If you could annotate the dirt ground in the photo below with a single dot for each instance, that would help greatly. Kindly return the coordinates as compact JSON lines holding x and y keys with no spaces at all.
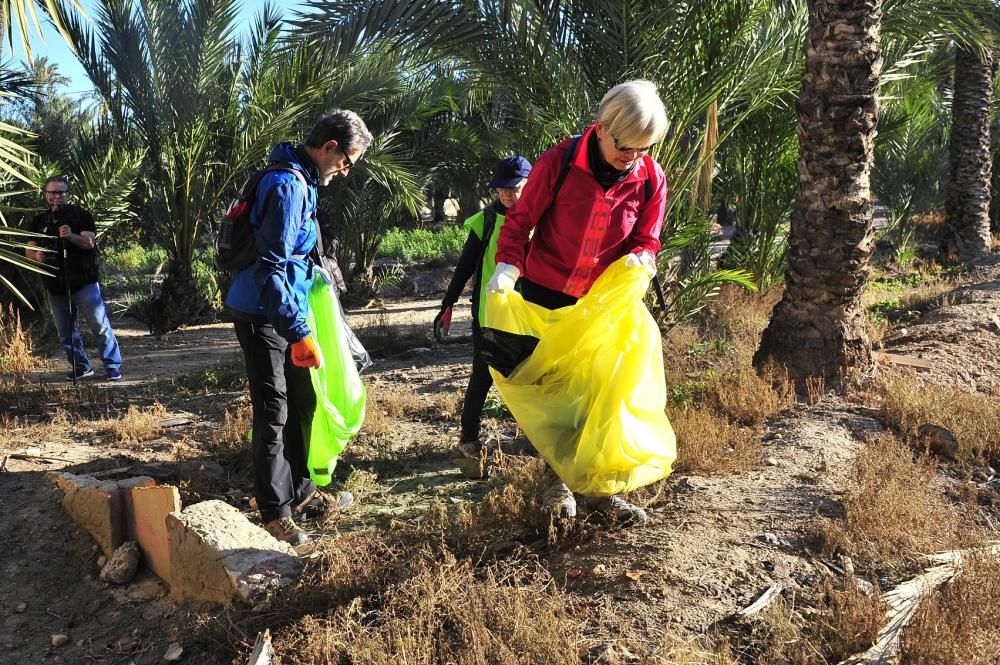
{"x":713,"y":545}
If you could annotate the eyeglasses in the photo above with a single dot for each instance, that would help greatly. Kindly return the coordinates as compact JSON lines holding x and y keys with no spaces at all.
{"x":57,"y":192}
{"x":347,"y":158}
{"x":621,"y":149}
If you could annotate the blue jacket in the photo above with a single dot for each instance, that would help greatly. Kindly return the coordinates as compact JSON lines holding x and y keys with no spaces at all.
{"x":276,"y":287}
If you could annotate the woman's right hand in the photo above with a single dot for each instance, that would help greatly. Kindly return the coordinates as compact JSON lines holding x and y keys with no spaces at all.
{"x":503,"y":279}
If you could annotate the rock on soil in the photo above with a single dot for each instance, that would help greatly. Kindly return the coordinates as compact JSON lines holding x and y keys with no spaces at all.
{"x":121,"y":567}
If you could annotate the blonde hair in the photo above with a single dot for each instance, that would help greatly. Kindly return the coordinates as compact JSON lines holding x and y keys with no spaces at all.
{"x":633,"y":114}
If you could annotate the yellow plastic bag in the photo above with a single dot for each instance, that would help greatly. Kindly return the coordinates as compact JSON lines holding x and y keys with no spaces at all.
{"x":591,"y":395}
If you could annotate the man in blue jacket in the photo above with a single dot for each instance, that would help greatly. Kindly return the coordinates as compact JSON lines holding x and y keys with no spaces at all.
{"x":268,"y":302}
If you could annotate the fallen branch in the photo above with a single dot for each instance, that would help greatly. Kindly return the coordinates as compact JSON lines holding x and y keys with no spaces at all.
{"x":40,"y":458}
{"x":263,"y":652}
{"x":763,"y":601}
{"x":903,"y":602}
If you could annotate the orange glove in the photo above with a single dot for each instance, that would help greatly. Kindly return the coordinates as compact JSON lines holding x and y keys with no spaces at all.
{"x":305,"y":353}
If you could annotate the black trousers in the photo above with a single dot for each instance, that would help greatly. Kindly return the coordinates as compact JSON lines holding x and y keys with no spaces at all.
{"x":544,"y":296}
{"x":479,"y":387}
{"x":283,"y":404}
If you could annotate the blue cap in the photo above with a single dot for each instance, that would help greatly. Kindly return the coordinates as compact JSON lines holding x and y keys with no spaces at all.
{"x":510,"y":172}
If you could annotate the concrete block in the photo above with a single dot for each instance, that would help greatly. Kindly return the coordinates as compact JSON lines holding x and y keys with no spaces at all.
{"x":217,"y":555}
{"x":150,"y":507}
{"x":97,"y":507}
{"x":128,"y":513}
{"x":66,"y":481}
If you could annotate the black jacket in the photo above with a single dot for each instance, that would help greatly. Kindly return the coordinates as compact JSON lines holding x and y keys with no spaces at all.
{"x":82,"y":263}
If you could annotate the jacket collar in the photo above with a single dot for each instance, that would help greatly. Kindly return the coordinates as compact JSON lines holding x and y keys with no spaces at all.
{"x":581,"y":161}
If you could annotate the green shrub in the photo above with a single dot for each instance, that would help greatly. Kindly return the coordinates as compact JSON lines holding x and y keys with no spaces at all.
{"x":416,"y":245}
{"x":134,"y":258}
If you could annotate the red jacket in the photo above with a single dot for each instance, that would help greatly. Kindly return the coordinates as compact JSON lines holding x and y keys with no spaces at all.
{"x":589,"y":229}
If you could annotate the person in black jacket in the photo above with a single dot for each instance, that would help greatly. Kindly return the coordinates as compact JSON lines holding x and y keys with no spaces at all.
{"x":478,"y":260}
{"x":73,"y":258}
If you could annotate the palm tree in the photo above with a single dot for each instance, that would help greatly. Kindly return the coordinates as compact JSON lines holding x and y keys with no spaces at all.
{"x":818,"y":328}
{"x":23,"y":11}
{"x":966,"y":230}
{"x":203,"y":108}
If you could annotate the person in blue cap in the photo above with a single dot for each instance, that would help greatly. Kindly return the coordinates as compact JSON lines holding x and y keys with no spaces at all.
{"x":478,"y":260}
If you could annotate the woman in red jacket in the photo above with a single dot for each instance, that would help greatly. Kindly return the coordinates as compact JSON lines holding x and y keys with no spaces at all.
{"x":590,"y":200}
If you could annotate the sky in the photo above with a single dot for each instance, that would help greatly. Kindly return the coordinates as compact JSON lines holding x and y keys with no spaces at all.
{"x":56,"y":50}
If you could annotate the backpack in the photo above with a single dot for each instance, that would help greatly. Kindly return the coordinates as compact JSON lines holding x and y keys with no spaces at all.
{"x":235,"y":246}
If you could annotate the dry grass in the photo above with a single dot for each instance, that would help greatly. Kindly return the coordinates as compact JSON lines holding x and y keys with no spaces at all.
{"x":443,"y":613}
{"x":837,"y":622}
{"x":17,"y":354}
{"x":710,"y":442}
{"x":892,"y":510}
{"x":974,"y":419}
{"x":960,"y":623}
{"x":16,"y":434}
{"x":718,"y":402}
{"x":135,"y":425}
{"x":236,"y":426}
{"x":386,"y":407}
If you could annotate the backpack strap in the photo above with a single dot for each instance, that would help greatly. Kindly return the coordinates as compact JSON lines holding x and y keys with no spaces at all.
{"x":489,"y":223}
{"x":317,"y":251}
{"x":564,"y":167}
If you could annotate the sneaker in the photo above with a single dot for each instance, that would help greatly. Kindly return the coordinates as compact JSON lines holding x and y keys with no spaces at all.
{"x":82,"y":375}
{"x":285,"y":529}
{"x":618,"y":509}
{"x":320,"y":504}
{"x":470,"y":460}
{"x":113,"y":374}
{"x":556,"y":497}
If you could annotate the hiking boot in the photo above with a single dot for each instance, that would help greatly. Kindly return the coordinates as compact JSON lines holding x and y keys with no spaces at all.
{"x":320,"y":504}
{"x":285,"y":529}
{"x":81,"y":375}
{"x":618,"y":509}
{"x":470,"y":460}
{"x":556,"y":497}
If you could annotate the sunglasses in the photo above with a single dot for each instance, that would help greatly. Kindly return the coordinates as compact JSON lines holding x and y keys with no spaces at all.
{"x":347,"y":158}
{"x":623,"y":149}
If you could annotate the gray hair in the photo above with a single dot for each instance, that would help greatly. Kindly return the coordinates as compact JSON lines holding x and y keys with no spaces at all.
{"x":345,"y":127}
{"x":633,"y":114}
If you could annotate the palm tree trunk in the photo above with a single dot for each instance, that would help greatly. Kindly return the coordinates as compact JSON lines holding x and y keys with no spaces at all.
{"x":818,"y":328}
{"x":966,"y":232}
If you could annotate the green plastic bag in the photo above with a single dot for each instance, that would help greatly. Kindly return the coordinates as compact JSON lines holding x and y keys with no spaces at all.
{"x":340,"y":394}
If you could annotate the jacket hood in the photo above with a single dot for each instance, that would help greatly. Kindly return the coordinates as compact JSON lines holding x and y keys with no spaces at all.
{"x":296,"y":157}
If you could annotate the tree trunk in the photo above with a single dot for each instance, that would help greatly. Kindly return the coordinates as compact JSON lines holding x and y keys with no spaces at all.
{"x":179,"y":302}
{"x":966,"y":232}
{"x":818,"y":328}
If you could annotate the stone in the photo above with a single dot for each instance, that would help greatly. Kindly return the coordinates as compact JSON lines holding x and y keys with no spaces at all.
{"x":60,"y":640}
{"x":21,"y":608}
{"x":101,"y":560}
{"x":939,"y":440}
{"x":174,"y":653}
{"x":121,"y":566}
{"x":217,"y":555}
{"x":128,"y":513}
{"x":146,"y":588}
{"x":771,"y":461}
{"x":150,"y":507}
{"x":97,"y":508}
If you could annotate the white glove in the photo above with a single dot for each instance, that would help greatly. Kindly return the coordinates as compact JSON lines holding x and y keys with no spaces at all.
{"x":641,"y":259}
{"x":503,"y":279}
